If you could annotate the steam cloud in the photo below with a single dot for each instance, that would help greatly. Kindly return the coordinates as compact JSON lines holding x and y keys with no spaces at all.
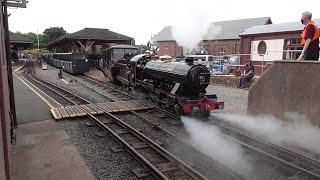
{"x":220,"y":147}
{"x":192,"y":29}
{"x":299,"y":131}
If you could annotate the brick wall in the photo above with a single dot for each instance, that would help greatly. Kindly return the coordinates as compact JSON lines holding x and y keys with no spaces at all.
{"x":228,"y":46}
{"x":171,"y":48}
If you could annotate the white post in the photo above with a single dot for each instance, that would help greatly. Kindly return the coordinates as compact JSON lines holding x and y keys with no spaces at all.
{"x":262,"y":64}
{"x":38,"y":40}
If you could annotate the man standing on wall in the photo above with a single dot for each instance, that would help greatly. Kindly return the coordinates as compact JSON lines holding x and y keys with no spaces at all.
{"x":309,"y":38}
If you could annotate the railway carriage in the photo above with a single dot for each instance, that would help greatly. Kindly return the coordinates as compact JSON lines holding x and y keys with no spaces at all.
{"x":116,"y":59}
{"x":74,"y":63}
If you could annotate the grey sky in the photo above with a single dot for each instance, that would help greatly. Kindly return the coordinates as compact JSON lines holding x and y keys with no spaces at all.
{"x":141,"y":18}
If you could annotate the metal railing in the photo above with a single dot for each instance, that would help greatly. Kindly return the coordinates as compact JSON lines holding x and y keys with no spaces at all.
{"x":264,"y":59}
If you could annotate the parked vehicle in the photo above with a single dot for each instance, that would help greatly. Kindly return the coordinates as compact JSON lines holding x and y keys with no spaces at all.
{"x":178,"y":59}
{"x":234,"y":60}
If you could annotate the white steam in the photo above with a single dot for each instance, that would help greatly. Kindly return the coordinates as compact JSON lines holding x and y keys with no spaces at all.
{"x":220,"y":147}
{"x":192,"y":29}
{"x":298,"y":132}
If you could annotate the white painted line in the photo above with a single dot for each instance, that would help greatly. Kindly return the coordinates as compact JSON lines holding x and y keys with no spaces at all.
{"x":65,"y":81}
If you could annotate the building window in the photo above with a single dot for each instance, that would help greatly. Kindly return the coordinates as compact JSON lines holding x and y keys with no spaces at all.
{"x":291,"y":48}
{"x":221,"y":51}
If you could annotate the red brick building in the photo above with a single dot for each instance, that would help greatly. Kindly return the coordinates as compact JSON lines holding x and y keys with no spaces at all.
{"x":280,"y":41}
{"x":226,"y":40}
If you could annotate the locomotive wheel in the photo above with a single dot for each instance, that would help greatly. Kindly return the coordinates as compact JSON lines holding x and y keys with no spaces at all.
{"x":178,"y":111}
{"x":196,"y":112}
{"x":207,"y":112}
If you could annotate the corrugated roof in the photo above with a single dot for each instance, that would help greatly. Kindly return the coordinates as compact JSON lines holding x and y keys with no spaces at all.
{"x":93,"y":34}
{"x":219,"y":30}
{"x":19,"y":38}
{"x":275,"y":28}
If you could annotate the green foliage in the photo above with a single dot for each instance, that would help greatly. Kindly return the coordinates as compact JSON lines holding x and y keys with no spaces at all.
{"x":53,"y":33}
{"x":49,"y":35}
{"x":33,"y":36}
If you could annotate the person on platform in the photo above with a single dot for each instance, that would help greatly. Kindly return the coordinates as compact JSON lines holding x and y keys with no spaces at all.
{"x":226,"y":67}
{"x":309,"y":38}
{"x":248,"y":74}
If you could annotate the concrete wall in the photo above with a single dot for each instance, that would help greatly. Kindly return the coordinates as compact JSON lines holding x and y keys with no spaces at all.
{"x":287,"y":86}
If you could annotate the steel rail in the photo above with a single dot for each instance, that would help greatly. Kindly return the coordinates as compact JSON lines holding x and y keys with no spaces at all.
{"x":305,"y":164}
{"x":108,"y":85}
{"x":307,"y":161}
{"x":145,"y":119}
{"x":154,"y":171}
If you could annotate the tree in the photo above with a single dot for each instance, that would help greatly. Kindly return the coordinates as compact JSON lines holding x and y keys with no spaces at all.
{"x":33,"y":36}
{"x":53,"y":33}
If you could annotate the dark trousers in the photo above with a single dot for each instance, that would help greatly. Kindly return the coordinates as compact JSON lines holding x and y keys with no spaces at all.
{"x":312,"y":55}
{"x":245,"y":79}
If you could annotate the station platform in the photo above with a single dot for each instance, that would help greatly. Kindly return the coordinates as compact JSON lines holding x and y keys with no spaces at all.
{"x":44,"y":151}
{"x":29,"y":107}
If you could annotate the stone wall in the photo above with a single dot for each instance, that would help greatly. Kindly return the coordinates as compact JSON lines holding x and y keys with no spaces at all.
{"x":287,"y":86}
{"x":228,"y":80}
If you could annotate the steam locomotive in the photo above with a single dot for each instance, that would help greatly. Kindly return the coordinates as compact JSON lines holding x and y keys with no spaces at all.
{"x":180,"y":86}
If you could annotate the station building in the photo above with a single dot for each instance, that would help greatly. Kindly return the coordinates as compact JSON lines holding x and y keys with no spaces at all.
{"x":18,"y":41}
{"x":275,"y":41}
{"x":91,"y":40}
{"x":222,"y":37}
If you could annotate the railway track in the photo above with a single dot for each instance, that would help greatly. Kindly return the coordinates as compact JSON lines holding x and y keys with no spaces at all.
{"x":294,"y":162}
{"x":221,"y":169}
{"x":114,"y":88}
{"x":158,"y":163}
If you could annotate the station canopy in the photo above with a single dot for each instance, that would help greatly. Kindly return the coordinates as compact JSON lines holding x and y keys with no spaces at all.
{"x":19,"y":41}
{"x":99,"y":36}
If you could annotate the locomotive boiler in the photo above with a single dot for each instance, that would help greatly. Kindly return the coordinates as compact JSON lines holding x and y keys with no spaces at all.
{"x":177,"y":85}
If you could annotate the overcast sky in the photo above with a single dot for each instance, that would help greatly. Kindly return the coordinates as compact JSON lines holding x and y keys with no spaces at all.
{"x":141,"y":18}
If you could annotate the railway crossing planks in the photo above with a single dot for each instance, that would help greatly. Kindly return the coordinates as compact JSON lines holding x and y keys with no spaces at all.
{"x":78,"y":111}
{"x":70,"y":111}
{"x":93,"y":107}
{"x":63,"y":112}
{"x":56,"y":114}
{"x":98,"y":108}
{"x":88,"y":109}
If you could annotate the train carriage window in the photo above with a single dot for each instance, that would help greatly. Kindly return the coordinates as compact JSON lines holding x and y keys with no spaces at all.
{"x":117,"y":54}
{"x":130,"y":51}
